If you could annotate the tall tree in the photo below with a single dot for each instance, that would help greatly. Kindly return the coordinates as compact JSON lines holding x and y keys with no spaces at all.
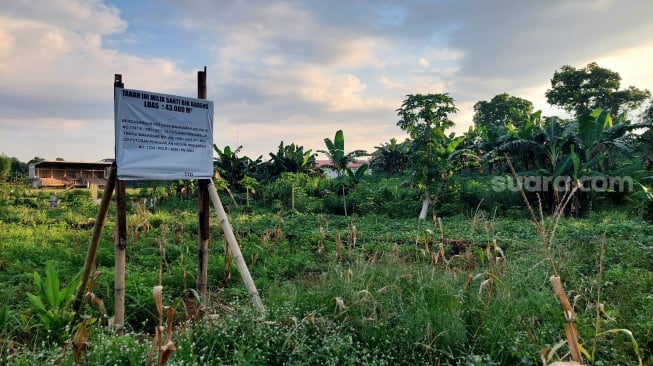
{"x":18,"y":168}
{"x":433,"y":153}
{"x":502,"y":110}
{"x":581,"y":91}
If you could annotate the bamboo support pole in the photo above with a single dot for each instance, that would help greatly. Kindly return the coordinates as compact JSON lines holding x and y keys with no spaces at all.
{"x":235,"y":250}
{"x":91,"y":253}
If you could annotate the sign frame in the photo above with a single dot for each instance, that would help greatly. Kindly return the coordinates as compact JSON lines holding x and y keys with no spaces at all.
{"x":162,"y":136}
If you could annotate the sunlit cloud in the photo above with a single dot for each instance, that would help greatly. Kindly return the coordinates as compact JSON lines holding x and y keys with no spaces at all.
{"x":294,"y":71}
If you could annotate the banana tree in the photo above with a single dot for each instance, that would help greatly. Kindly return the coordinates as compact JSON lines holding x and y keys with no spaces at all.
{"x":336,"y":153}
{"x":391,"y":157}
{"x":289,"y":159}
{"x":233,"y":168}
{"x":570,"y":150}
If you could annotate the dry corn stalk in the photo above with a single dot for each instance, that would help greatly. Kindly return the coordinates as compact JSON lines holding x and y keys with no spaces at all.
{"x":166,"y":351}
{"x":338,"y":247}
{"x":157,"y":293}
{"x":353,"y":235}
{"x":228,"y":259}
{"x":570,"y":317}
{"x":441,"y":251}
{"x":485,"y":285}
{"x":340,"y":305}
{"x":320,"y":243}
{"x":92,"y":298}
{"x":162,"y":342}
{"x":80,"y":340}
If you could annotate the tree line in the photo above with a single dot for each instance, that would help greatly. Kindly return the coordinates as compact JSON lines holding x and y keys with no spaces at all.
{"x":604,"y":134}
{"x":609,"y":128}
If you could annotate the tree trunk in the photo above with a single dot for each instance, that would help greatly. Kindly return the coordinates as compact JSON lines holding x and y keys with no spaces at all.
{"x":425,"y":205}
{"x":344,"y":200}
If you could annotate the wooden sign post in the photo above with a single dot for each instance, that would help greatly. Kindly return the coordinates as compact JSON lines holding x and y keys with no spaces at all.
{"x":204,"y":233}
{"x":167,"y":140}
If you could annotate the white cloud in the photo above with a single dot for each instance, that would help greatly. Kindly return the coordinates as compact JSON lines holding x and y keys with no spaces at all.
{"x":633,"y":65}
{"x":389,"y":83}
{"x":49,"y":63}
{"x":298,"y":71}
{"x":84,"y":16}
{"x":337,"y":91}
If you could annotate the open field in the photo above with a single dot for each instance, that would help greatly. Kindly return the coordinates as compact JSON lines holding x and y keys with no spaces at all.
{"x":361,"y":289}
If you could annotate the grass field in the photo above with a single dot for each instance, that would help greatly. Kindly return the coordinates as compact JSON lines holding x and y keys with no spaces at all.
{"x":356,"y":290}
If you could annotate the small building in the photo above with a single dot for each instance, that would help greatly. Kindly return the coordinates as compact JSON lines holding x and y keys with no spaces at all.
{"x":68,"y":174}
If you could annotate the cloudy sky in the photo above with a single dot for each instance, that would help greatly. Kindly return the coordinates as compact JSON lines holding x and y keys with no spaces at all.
{"x":293,"y":71}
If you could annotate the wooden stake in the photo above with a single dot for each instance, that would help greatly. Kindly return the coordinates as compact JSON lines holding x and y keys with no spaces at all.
{"x":120,"y":260}
{"x":91,"y":253}
{"x":204,"y":237}
{"x":235,"y":250}
{"x":204,"y":233}
{"x":120,"y":238}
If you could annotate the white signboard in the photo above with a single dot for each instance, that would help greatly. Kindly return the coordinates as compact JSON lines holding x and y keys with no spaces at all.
{"x":162,"y":137}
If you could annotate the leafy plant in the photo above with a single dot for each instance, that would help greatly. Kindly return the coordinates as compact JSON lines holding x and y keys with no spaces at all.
{"x":336,"y":153}
{"x":233,"y":168}
{"x":52,"y":304}
{"x":289,"y":159}
{"x":391,"y":157}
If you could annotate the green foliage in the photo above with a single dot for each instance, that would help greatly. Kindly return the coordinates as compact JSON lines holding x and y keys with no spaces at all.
{"x":52,"y":304}
{"x":335,"y":297}
{"x":501,"y":111}
{"x":336,"y":153}
{"x":391,"y":157}
{"x":233,"y":168}
{"x":250,"y":185}
{"x":5,"y":166}
{"x":289,"y":159}
{"x":19,"y":171}
{"x":356,"y":176}
{"x":433,"y":157}
{"x":425,"y":118}
{"x":583,"y":90}
{"x":421,"y":114}
{"x":296,"y":191}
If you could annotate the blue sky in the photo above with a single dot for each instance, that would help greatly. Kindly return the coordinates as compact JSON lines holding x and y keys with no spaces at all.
{"x":294,"y":71}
